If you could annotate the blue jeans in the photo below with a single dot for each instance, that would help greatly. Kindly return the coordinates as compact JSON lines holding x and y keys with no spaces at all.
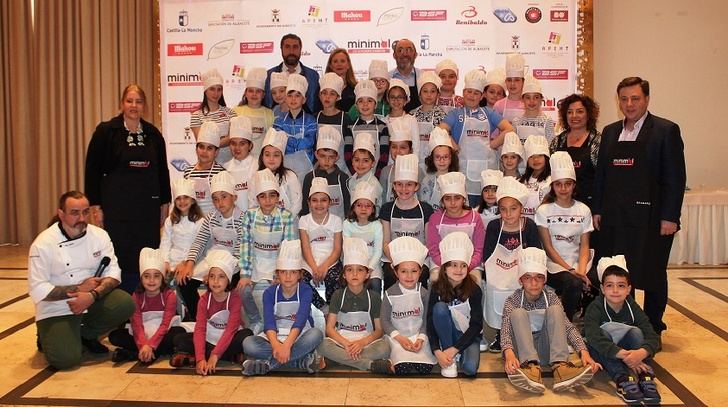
{"x":614,"y":366}
{"x":257,"y":347}
{"x":448,"y":334}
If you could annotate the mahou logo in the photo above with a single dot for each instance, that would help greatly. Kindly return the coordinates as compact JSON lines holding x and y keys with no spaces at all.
{"x":183,"y":50}
{"x":352,"y":16}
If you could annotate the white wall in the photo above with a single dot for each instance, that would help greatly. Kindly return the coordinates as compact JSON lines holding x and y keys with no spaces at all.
{"x":680,"y":47}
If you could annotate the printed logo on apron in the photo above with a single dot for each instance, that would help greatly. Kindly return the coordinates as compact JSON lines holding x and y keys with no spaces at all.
{"x":265,"y":251}
{"x":501,"y":275}
{"x":413,"y":227}
{"x":356,"y":324}
{"x":476,"y":154}
{"x":407,"y":319}
{"x":217,"y":323}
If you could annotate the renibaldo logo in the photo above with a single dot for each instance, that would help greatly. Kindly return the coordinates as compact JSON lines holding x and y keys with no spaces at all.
{"x":559,"y":16}
{"x":183,"y":50}
{"x":260,"y":47}
{"x":369,"y":46}
{"x":390,"y":16}
{"x":352,"y":16}
{"x":469,"y":14}
{"x":551,"y":74}
{"x":428,"y":15}
{"x":183,"y":107}
{"x":183,"y":79}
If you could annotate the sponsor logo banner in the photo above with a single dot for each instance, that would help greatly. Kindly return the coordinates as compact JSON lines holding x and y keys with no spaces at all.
{"x":183,"y":50}
{"x":428,"y":15}
{"x":352,"y":16}
{"x":556,"y":74}
{"x":260,"y":47}
{"x":183,"y":107}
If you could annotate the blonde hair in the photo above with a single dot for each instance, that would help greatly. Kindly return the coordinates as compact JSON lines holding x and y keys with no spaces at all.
{"x":133,"y":87}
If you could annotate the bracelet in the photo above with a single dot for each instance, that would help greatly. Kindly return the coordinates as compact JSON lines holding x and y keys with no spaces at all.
{"x":94,"y":294}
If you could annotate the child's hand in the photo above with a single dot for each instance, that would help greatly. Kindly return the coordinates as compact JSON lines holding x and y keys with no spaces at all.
{"x":244,"y":282}
{"x":442,"y":359}
{"x":201,"y":367}
{"x":146,"y":354}
{"x":183,"y":272}
{"x":417,"y":346}
{"x":405,"y":342}
{"x":587,"y":360}
{"x":355,"y":349}
{"x":212,"y":363}
{"x":282,"y":354}
{"x":643,"y":368}
{"x":511,"y":363}
{"x":633,"y":358}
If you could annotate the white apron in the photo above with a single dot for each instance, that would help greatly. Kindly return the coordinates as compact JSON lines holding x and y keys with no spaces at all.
{"x":284,"y":200}
{"x":152,"y":320}
{"x":370,"y":179}
{"x":435,"y":195}
{"x":242,"y":174}
{"x":501,"y":275}
{"x":617,"y":330}
{"x":413,"y":227}
{"x":369,"y":239}
{"x":388,"y":189}
{"x":535,"y":195}
{"x":218,"y":322}
{"x":321,"y":240}
{"x":354,"y":325}
{"x":407,"y":318}
{"x":203,"y":196}
{"x":299,"y":162}
{"x":340,"y":161}
{"x":460,"y":314}
{"x":475,"y":152}
{"x":425,"y":128}
{"x":265,"y":252}
{"x":336,"y":196}
{"x":223,"y":238}
{"x":527,"y":127}
{"x":489,"y":214}
{"x":468,"y":228}
{"x":510,"y":113}
{"x":536,"y":316}
{"x":369,"y":128}
{"x":285,"y":315}
{"x":259,"y":128}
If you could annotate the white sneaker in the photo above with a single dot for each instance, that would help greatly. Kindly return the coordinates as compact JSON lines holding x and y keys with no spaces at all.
{"x":483,"y":345}
{"x":450,"y":371}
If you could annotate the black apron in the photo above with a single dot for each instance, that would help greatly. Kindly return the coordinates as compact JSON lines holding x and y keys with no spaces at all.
{"x":585,"y":170}
{"x":414,"y":96}
{"x":631,"y":214}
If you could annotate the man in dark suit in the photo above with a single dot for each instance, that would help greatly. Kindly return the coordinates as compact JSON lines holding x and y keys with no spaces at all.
{"x":291,"y":46}
{"x":638,"y":193}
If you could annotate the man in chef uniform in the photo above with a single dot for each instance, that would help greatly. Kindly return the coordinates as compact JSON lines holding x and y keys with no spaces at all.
{"x":638,"y":192}
{"x":72,"y":307}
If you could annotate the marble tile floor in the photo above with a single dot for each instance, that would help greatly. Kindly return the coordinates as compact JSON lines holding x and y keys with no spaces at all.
{"x":689,"y":370}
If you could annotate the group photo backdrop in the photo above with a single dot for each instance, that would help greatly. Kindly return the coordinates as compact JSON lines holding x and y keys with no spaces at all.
{"x":236,"y":35}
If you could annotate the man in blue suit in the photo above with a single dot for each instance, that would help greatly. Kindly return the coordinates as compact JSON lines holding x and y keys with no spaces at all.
{"x":291,"y":46}
{"x":638,"y":193}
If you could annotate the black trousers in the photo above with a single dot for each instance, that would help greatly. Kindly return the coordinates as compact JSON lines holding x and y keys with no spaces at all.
{"x":569,"y":288}
{"x":129,"y":238}
{"x":122,"y":338}
{"x":191,"y":295}
{"x":184,"y":343}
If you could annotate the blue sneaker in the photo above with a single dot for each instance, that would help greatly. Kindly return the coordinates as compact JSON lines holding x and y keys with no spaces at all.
{"x":649,"y":389}
{"x":629,"y":390}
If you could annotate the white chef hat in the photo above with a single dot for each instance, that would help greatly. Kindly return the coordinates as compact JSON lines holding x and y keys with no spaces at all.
{"x":298,"y":83}
{"x":446,"y":64}
{"x":289,"y":255}
{"x":365,"y":89}
{"x":512,"y":144}
{"x":399,"y":83}
{"x":365,"y":190}
{"x":256,"y":78}
{"x":276,"y":138}
{"x":562,"y":166}
{"x":490,"y":177}
{"x":407,"y":248}
{"x":209,"y":133}
{"x":211,"y":78}
{"x":399,"y":129}
{"x":356,"y":252}
{"x":536,"y":144}
{"x":531,"y":260}
{"x":510,"y":187}
{"x":183,"y":187}
{"x":452,"y":183}
{"x":496,"y":76}
{"x":606,"y":262}
{"x":406,"y":168}
{"x":278,"y":80}
{"x":331,"y":80}
{"x":151,"y":259}
{"x":515,"y":66}
{"x":378,"y":69}
{"x":475,"y":79}
{"x":265,"y":180}
{"x":328,"y":137}
{"x":531,"y":85}
{"x":456,"y":246}
{"x":222,"y":182}
{"x":319,"y":184}
{"x":439,"y":137}
{"x":223,"y":260}
{"x":365,"y":141}
{"x":241,"y":127}
{"x":428,"y":77}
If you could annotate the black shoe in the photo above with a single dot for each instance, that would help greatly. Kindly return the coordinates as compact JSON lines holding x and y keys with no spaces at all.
{"x":122,"y":355}
{"x":495,"y":346}
{"x":94,"y":346}
{"x":629,"y":390}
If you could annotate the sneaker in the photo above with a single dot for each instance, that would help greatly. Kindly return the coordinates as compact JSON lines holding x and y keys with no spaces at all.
{"x":253,"y":367}
{"x":122,"y":355}
{"x":568,"y":375}
{"x":483,"y":345}
{"x":629,"y":390}
{"x":495,"y":346}
{"x":381,"y":366}
{"x":450,"y":371}
{"x":94,"y":346}
{"x":528,"y":377}
{"x":182,"y":360}
{"x":649,"y":389}
{"x":312,"y":362}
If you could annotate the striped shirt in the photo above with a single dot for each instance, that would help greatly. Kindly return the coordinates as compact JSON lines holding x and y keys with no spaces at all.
{"x":514,"y":302}
{"x":220,"y":116}
{"x":378,"y":128}
{"x":204,"y":201}
{"x":278,"y":220}
{"x":204,"y":237}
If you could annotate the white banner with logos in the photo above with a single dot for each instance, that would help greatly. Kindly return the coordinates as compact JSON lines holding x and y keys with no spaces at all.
{"x":236,"y":35}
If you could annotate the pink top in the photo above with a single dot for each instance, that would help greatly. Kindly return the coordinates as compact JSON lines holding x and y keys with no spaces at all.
{"x":434,"y":238}
{"x":203,"y":314}
{"x":165,"y":301}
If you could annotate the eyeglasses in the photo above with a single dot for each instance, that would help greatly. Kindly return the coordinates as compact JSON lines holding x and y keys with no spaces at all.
{"x":363,"y":205}
{"x":441,"y":157}
{"x":405,"y":50}
{"x":538,"y":277}
{"x":398,"y":98}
